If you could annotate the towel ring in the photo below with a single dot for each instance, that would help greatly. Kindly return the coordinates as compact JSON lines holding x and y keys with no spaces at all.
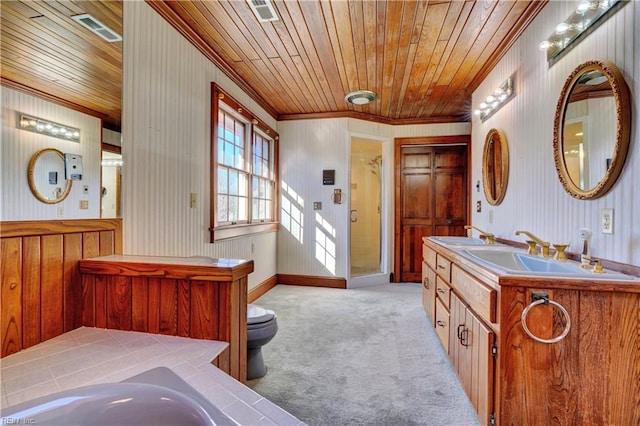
{"x":545,"y":301}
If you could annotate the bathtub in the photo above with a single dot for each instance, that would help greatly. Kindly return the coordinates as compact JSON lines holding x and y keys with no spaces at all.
{"x":155,"y":397}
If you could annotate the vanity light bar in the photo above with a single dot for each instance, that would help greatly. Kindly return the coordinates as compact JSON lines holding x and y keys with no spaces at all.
{"x":496,"y":100}
{"x":587,"y":13}
{"x":49,"y":128}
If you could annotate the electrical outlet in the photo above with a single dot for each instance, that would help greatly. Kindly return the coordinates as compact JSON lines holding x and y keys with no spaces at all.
{"x":478,"y":206}
{"x":606,"y":221}
{"x":317,"y":205}
{"x":84,"y":204}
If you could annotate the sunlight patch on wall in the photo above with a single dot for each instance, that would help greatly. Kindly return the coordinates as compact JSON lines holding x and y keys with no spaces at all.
{"x":326,"y":244}
{"x":291,"y":216}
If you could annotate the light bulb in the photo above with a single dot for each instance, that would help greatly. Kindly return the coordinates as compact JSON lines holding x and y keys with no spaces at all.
{"x":562,"y":28}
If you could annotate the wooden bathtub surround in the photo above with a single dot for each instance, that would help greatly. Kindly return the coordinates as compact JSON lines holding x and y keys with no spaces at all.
{"x":592,"y":376}
{"x":40,"y":281}
{"x":196,"y":297}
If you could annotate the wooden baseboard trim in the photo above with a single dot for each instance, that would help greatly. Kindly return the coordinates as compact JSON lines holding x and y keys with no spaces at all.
{"x":307,"y":280}
{"x":261,"y":289}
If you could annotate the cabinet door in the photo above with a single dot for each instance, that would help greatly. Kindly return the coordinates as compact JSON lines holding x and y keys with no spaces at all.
{"x":442,"y":324}
{"x":429,"y":293}
{"x":480,"y":340}
{"x":471,"y":355}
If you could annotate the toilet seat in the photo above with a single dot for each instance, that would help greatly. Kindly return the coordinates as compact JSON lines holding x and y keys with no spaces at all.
{"x":258,"y":315}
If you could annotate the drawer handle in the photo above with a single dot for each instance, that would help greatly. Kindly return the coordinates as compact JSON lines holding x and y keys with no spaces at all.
{"x":425,"y":282}
{"x":441,"y":323}
{"x":459,"y":327}
{"x":441,"y":290}
{"x":464,"y":337}
{"x":442,"y":267}
{"x":544,"y":299}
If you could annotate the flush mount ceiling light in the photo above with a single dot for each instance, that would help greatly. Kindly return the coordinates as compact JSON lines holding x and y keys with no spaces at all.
{"x":361,"y":97}
{"x":97,"y":27}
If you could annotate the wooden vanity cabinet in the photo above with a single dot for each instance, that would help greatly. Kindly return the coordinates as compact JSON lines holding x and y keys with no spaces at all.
{"x":591,"y":377}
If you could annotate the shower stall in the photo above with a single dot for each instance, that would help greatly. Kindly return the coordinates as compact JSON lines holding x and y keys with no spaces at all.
{"x":366,"y":206}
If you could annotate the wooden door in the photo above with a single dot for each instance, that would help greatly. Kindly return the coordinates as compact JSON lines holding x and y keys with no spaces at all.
{"x":431,"y":199}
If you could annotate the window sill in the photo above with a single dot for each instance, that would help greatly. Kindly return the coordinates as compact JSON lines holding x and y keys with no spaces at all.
{"x":235,"y":231}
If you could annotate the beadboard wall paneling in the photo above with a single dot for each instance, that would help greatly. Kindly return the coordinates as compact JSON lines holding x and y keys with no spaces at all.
{"x":306,"y":148}
{"x":18,"y":203}
{"x":535,"y":199}
{"x":166,"y":146}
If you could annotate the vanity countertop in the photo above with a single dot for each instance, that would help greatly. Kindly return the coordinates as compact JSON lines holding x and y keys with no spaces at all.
{"x":497,"y":277}
{"x":87,"y":356}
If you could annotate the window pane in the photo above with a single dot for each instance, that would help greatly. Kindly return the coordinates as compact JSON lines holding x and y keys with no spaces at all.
{"x":233,"y":182}
{"x":233,"y":209}
{"x":228,"y":154}
{"x":243,"y":185}
{"x":240,"y":158}
{"x":243,"y":211}
{"x":223,"y":180}
{"x":254,"y":187}
{"x":222,"y":208}
{"x":265,"y":148}
{"x":239,"y":134}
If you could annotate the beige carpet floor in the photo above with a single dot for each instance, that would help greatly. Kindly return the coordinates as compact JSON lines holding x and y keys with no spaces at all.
{"x":359,"y":357}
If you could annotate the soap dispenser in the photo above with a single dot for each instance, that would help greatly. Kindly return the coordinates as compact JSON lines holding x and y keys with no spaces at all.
{"x":585,"y":252}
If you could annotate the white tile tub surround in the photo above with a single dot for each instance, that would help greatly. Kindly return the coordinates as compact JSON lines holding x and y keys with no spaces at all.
{"x":87,"y":356}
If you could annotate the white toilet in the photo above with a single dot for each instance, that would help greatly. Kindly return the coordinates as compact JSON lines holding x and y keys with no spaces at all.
{"x":261,"y":327}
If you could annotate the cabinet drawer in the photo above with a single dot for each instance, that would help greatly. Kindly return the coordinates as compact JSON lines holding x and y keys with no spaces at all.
{"x":443,"y":292}
{"x":442,"y":324}
{"x":429,"y":256}
{"x":443,"y":267}
{"x":480,"y":297}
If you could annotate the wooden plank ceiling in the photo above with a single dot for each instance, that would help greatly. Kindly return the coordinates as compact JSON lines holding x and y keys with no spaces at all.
{"x":422,"y":58}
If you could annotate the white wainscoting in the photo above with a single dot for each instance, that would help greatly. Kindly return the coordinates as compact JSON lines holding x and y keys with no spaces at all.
{"x":535,"y":199}
{"x":166,"y":146}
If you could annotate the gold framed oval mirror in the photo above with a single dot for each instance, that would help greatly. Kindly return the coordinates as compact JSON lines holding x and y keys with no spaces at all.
{"x":46,"y":176}
{"x":591,"y":129}
{"x":495,"y":166}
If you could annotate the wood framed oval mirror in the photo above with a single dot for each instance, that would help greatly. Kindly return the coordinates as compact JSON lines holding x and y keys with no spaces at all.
{"x":495,"y":166}
{"x":591,"y":129}
{"x":46,"y":176}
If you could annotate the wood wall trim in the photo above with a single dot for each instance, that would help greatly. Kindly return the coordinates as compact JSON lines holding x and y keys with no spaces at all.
{"x":51,"y":98}
{"x":261,"y":289}
{"x":159,"y":267}
{"x":25,"y":228}
{"x":374,"y":118}
{"x":40,"y":283}
{"x":313,"y":281}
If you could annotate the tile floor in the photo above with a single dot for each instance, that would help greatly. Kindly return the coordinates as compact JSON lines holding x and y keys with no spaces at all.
{"x":88,"y":356}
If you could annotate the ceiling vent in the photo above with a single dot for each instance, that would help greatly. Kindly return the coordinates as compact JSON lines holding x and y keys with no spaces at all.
{"x":97,"y":27}
{"x":264,"y":10}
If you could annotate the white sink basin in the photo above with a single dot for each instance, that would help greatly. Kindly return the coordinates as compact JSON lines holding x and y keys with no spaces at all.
{"x":514,"y":262}
{"x":459,"y":241}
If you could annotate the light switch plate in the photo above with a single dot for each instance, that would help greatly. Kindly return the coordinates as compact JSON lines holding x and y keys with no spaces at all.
{"x":606,"y":221}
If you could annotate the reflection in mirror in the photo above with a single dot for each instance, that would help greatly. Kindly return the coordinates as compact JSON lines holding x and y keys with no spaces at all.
{"x":591,"y":129}
{"x":46,"y":176}
{"x":495,"y":166}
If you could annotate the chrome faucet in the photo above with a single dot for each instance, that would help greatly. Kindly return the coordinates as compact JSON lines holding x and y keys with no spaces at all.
{"x":544,"y":245}
{"x":491,"y":239}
